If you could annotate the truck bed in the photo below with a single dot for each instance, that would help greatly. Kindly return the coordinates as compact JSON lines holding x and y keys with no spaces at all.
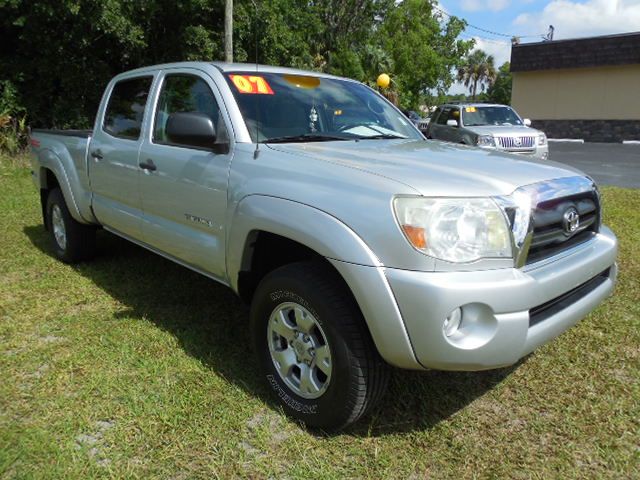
{"x":66,"y":133}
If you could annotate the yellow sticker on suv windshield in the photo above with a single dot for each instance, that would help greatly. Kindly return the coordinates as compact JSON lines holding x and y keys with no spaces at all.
{"x":251,"y":84}
{"x":470,"y":109}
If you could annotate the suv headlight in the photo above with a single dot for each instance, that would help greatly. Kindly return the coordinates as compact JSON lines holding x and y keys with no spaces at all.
{"x":486,"y":141}
{"x":542,"y":139}
{"x":454,"y":229}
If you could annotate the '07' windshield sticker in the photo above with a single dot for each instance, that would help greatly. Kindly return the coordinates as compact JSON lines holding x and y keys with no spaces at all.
{"x":251,"y":84}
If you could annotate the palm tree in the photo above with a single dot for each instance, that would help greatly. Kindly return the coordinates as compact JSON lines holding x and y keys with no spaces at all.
{"x":478,"y":70}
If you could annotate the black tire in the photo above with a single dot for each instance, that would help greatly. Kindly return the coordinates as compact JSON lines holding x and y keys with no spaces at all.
{"x":80,"y":241}
{"x":359,"y":376}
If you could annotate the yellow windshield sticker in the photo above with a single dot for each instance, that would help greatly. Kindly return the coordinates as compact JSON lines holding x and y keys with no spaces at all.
{"x":302,"y":81}
{"x":252,"y":84}
{"x":470,"y":109}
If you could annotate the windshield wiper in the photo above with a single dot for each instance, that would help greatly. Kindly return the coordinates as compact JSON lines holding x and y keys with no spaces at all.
{"x":307,"y":137}
{"x":380,"y":136}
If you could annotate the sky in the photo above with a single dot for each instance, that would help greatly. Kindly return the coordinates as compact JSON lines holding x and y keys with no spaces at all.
{"x":530,"y":19}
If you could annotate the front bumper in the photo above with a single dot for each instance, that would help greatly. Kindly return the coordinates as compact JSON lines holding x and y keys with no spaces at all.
{"x":496,"y":304}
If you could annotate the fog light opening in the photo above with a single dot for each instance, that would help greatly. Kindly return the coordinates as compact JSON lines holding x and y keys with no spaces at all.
{"x":452,"y":322}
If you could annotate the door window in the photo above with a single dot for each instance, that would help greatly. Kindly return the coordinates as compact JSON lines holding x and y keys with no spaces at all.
{"x":444,"y":116}
{"x":449,"y":114}
{"x":183,"y":93}
{"x":125,"y":110}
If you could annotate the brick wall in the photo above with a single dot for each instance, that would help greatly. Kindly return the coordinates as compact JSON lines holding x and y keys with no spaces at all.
{"x":590,"y":130}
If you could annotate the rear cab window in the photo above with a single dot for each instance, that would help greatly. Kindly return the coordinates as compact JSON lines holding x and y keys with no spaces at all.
{"x":125,"y":111}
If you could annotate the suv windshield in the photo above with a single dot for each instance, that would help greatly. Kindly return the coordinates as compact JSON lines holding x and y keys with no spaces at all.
{"x":479,"y":116}
{"x":279,"y":107}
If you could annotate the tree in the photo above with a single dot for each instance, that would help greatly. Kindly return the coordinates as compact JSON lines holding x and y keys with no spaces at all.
{"x":500,"y":91}
{"x":477,"y":70}
{"x":56,"y":56}
{"x":424,"y":49}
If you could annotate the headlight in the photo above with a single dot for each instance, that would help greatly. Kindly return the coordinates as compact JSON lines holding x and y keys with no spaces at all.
{"x":454,"y":229}
{"x":542,"y":139}
{"x":486,"y":141}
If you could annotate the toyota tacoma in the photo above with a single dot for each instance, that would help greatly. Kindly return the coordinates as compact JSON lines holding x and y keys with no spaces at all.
{"x":358,"y":243}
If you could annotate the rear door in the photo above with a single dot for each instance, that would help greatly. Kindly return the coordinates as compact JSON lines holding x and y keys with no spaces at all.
{"x":184,"y":196}
{"x":113,"y":156}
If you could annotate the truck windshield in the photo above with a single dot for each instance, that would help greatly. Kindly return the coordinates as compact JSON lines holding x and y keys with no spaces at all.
{"x":480,"y":116}
{"x":283,"y":108}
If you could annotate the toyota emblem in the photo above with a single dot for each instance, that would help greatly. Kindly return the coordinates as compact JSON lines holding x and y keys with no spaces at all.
{"x":571,"y":220}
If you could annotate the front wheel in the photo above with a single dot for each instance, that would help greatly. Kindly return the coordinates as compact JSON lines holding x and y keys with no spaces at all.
{"x":314,"y":348}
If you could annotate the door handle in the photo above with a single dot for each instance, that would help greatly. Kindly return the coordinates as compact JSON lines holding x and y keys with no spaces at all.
{"x":97,"y":154}
{"x":148,"y":165}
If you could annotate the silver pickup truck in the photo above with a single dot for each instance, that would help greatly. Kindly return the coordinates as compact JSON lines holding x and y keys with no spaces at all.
{"x":358,"y":243}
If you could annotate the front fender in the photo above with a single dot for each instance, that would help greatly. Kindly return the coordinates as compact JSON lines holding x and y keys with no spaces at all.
{"x":314,"y":228}
{"x":350,"y":255}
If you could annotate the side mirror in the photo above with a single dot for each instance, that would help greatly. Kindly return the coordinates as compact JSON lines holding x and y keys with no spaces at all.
{"x":527,"y":122}
{"x":452,"y":123}
{"x":191,"y":129}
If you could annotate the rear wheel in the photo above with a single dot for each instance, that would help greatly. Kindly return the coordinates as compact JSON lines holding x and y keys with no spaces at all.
{"x":71,"y":241}
{"x":314,"y":348}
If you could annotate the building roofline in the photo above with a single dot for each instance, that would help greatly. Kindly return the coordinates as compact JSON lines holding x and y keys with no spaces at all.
{"x":574,"y":39}
{"x":586,"y":52}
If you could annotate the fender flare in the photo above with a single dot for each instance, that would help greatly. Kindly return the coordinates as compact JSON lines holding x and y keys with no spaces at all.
{"x":310,"y":226}
{"x":49,"y":160}
{"x":349,"y":254}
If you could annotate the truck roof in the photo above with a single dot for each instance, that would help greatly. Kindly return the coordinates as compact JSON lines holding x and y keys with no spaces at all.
{"x":230,"y":67}
{"x":472,"y":104}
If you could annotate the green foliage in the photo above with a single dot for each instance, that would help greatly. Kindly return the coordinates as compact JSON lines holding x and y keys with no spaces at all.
{"x":478,"y":70}
{"x":424,"y":49}
{"x":58,"y":55}
{"x":13,"y":121}
{"x":500,"y":90}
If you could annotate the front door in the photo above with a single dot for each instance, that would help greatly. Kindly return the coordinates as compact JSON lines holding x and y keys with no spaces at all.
{"x":113,"y":157}
{"x":184,"y":193}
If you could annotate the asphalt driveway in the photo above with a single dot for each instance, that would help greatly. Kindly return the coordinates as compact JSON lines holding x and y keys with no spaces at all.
{"x":608,"y":163}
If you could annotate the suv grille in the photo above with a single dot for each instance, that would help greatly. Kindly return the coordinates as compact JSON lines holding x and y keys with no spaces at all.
{"x":551,"y":234}
{"x":423,"y":125}
{"x":517,"y":143}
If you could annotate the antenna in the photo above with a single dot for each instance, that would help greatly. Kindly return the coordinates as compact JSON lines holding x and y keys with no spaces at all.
{"x":256,"y":152}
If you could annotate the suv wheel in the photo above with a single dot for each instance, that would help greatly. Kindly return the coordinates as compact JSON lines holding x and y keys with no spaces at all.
{"x":72,"y":241}
{"x":315,"y":351}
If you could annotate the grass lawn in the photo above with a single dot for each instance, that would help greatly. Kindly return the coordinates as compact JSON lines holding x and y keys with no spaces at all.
{"x":131,"y":366}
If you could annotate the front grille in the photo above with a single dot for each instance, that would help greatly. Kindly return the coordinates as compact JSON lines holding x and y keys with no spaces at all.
{"x":517,"y":143}
{"x":546,"y":310}
{"x":549,"y":234}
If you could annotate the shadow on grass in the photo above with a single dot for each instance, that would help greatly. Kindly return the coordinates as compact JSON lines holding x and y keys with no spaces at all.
{"x":211,"y":324}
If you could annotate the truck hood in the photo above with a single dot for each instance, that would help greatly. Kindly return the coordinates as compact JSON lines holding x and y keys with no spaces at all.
{"x":433,"y":168}
{"x":504,"y":130}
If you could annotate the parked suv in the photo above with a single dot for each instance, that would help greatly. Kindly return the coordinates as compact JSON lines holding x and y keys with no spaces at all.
{"x":488,"y":126}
